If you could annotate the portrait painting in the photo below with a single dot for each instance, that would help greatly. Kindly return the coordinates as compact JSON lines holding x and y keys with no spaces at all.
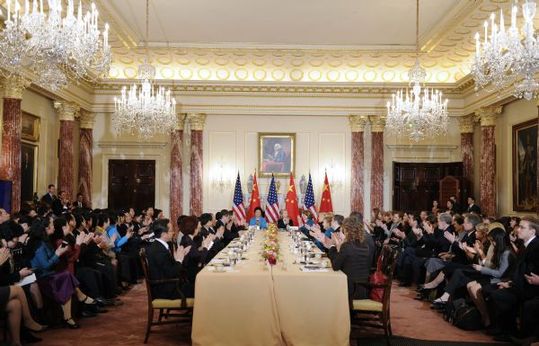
{"x":276,"y":154}
{"x":30,"y":127}
{"x":28,"y":171}
{"x":525,"y":166}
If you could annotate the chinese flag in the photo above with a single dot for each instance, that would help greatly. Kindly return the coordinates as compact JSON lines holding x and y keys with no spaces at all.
{"x":292,"y":202}
{"x":325,"y":204}
{"x":255,"y":200}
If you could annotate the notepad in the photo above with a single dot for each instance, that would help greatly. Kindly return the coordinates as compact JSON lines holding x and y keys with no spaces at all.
{"x":27,"y":280}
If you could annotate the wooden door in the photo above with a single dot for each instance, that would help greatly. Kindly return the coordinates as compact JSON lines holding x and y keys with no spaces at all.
{"x":416,"y":185}
{"x":131,"y":184}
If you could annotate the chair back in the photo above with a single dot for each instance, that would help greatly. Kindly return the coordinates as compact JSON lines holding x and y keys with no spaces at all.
{"x":389,"y":262}
{"x":146,"y":271}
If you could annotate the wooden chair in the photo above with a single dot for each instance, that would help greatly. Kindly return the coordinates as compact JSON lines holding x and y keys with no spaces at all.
{"x":371,"y":313}
{"x":165,"y":306}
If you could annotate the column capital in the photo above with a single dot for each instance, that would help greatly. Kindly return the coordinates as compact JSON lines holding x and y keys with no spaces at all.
{"x":378,"y":122}
{"x":466,"y":124}
{"x":14,"y":86}
{"x":487,"y":115}
{"x":180,"y":123}
{"x":196,"y":120}
{"x":67,"y":111}
{"x":358,"y":122}
{"x":86,"y":119}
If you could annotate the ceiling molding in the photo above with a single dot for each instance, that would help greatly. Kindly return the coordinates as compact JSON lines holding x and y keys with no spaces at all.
{"x":119,"y":144}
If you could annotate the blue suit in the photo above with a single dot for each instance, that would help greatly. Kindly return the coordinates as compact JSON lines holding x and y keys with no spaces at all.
{"x":261,"y":222}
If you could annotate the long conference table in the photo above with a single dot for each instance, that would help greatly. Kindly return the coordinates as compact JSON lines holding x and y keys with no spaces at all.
{"x":257,"y":304}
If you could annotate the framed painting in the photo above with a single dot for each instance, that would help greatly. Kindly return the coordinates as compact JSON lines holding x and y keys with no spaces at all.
{"x":525,"y":166}
{"x":30,"y":127}
{"x":29,"y":156}
{"x":276,"y":154}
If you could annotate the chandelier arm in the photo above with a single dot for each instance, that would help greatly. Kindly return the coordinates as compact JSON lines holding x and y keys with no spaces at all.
{"x":417,"y":29}
{"x":147,"y":28}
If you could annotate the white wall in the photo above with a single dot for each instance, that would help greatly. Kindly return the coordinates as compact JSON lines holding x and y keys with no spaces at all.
{"x":107,"y":146}
{"x":514,"y":113}
{"x":400,"y":149}
{"x":231,"y":145}
{"x":43,"y":108}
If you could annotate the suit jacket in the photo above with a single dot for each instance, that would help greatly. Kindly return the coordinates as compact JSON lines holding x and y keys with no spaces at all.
{"x":474,"y":209}
{"x":163,"y":266}
{"x":195,"y":260}
{"x":460,"y":255}
{"x":527,"y":263}
{"x":48,"y":199}
{"x":353,"y":260}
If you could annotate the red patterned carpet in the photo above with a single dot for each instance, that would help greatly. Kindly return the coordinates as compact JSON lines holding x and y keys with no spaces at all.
{"x":125,"y":325}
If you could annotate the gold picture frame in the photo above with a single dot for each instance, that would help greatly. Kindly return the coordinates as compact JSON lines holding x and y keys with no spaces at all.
{"x":525,"y":197}
{"x":30,"y":127}
{"x":276,"y":154}
{"x":29,"y":170}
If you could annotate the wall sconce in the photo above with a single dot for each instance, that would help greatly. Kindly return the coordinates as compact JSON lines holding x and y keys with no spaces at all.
{"x":222,"y":177}
{"x":336,"y":176}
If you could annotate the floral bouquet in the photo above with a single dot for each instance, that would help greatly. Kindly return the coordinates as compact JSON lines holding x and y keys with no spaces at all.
{"x":271,"y":245}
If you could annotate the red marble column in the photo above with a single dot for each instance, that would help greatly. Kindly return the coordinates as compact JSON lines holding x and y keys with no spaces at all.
{"x":488,"y":160}
{"x":86,"y":157}
{"x":66,"y":113}
{"x":537,"y":207}
{"x":466,"y":127}
{"x":176,"y":172}
{"x":196,"y":122}
{"x":10,"y":164}
{"x":357,"y":124}
{"x":377,"y":169}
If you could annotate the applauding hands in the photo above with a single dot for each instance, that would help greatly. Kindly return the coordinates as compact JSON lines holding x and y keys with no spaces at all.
{"x":181,"y":252}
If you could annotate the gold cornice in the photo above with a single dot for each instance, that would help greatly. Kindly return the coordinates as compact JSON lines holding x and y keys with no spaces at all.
{"x":86,"y":120}
{"x":14,"y":86}
{"x":180,"y":123}
{"x":336,"y":89}
{"x":487,"y":115}
{"x":378,"y":123}
{"x":67,"y":111}
{"x":196,"y":121}
{"x":466,"y":124}
{"x":358,"y":122}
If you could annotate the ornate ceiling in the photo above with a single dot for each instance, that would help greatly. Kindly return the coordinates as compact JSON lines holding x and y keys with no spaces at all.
{"x":345,"y":55}
{"x":447,"y":47}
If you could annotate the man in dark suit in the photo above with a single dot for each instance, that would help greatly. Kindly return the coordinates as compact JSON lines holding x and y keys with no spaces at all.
{"x":79,"y":202}
{"x":162,"y":264}
{"x":508,"y":298}
{"x":50,"y":196}
{"x":472,"y":207}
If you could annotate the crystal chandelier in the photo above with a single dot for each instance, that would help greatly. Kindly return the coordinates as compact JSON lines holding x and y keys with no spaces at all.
{"x":144,"y":110}
{"x":53,"y":48}
{"x":420,"y":112}
{"x":509,"y":56}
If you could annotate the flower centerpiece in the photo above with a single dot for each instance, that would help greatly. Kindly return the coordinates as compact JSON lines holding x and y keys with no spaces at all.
{"x":271,"y":245}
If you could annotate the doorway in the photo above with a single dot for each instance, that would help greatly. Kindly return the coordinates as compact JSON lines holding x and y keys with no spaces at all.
{"x":131,"y":184}
{"x":416,"y":185}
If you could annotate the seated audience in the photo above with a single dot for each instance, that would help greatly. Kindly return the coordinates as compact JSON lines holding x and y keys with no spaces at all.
{"x":521,"y":291}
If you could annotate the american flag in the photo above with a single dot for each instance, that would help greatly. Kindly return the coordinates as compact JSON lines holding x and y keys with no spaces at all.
{"x":309,"y":199}
{"x":239,"y":209}
{"x":272,"y":208}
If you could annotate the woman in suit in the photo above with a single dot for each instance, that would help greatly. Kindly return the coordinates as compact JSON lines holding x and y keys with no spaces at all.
{"x":195,"y":260}
{"x":285,"y":220}
{"x":258,"y":219}
{"x":350,"y":254}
